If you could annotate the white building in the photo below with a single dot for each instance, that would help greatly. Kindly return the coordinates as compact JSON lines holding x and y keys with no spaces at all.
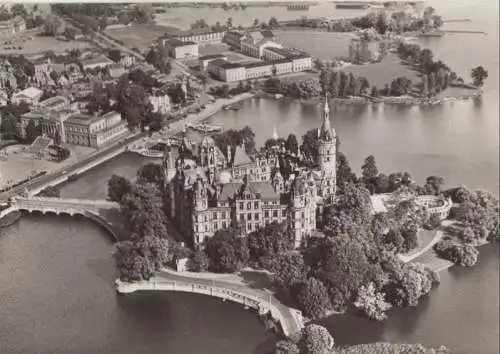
{"x":160,"y":102}
{"x":179,"y":49}
{"x":31,"y":96}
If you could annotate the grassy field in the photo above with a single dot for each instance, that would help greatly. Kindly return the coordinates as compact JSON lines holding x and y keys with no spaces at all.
{"x":39,"y":44}
{"x":139,"y":36}
{"x":323,"y":45}
{"x":384,"y":72}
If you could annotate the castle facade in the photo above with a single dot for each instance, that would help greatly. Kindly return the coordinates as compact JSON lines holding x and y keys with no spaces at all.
{"x":207,"y":190}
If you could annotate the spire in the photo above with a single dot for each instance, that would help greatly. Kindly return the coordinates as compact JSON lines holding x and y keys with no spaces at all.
{"x":275,"y":134}
{"x":325,"y":131}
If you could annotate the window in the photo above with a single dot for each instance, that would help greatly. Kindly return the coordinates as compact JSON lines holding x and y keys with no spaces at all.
{"x":256,"y":226}
{"x":275,"y":213}
{"x":256,"y":216}
{"x":266,"y":213}
{"x":242,"y":206}
{"x":242,"y":217}
{"x":249,"y":216}
{"x":214,"y":215}
{"x":249,"y":227}
{"x":223,"y":214}
{"x":256,"y":205}
{"x":249,"y":205}
{"x":283,"y":212}
{"x":224,"y":225}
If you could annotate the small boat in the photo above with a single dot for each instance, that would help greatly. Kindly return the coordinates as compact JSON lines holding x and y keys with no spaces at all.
{"x":431,"y":34}
{"x":352,"y":5}
{"x":234,"y":106}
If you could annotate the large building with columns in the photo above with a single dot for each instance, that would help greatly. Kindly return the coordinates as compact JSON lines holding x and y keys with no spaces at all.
{"x":208,"y":189}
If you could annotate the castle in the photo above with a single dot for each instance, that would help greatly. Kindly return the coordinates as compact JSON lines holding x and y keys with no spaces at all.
{"x":207,"y":190}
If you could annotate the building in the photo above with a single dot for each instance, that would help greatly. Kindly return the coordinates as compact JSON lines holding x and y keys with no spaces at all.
{"x":179,"y":49}
{"x":42,"y":65}
{"x":253,"y":42}
{"x":204,"y":60}
{"x":12,"y":26}
{"x":160,"y":102}
{"x":301,"y":61}
{"x":99,"y":61}
{"x":258,"y":69}
{"x":226,"y":71}
{"x":54,"y":103}
{"x":116,"y":70}
{"x":7,"y":78}
{"x":31,"y":96}
{"x":4,"y":99}
{"x":128,"y":60}
{"x":199,"y":36}
{"x":208,"y":190}
{"x":233,"y":39}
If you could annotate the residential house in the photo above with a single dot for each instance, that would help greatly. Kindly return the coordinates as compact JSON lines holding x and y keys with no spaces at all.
{"x":116,"y":70}
{"x":160,"y":102}
{"x":12,"y":26}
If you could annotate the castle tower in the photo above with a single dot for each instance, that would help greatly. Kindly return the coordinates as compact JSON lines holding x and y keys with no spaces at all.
{"x":278,"y":181}
{"x":200,"y":195}
{"x":327,"y":154}
{"x":168,"y":164}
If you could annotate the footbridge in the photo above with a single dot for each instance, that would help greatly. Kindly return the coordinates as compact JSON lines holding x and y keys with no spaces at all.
{"x":290,"y":319}
{"x":105,"y":213}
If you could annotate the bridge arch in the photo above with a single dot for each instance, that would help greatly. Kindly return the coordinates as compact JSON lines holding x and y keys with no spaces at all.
{"x":51,"y":207}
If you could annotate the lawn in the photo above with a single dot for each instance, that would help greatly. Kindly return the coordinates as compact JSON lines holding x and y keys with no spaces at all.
{"x":40,"y":44}
{"x":139,"y":36}
{"x":323,"y":45}
{"x":383,"y":73}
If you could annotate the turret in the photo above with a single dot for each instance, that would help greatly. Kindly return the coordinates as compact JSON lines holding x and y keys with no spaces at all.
{"x":278,"y":181}
{"x":327,"y":143}
{"x":200,"y":195}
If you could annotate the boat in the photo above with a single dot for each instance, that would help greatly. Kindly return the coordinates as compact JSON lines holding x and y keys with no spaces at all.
{"x":352,"y":5}
{"x":205,"y":128}
{"x":297,"y":7}
{"x":233,"y":106}
{"x":431,"y":34}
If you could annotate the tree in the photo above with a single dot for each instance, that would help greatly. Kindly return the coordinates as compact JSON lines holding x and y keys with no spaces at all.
{"x":313,"y":298}
{"x":344,"y":171}
{"x":138,"y":259}
{"x":289,"y":270}
{"x":409,"y":283}
{"x":50,"y":192}
{"x":198,"y":262}
{"x":18,"y":10}
{"x":229,"y":23}
{"x":271,"y":240}
{"x":372,"y":302}
{"x":400,"y":86}
{"x":9,"y":126}
{"x":143,"y":208}
{"x":227,"y":252}
{"x":255,"y":22}
{"x":310,"y":145}
{"x":433,"y":185}
{"x":479,"y":74}
{"x":50,"y":26}
{"x":117,"y":187}
{"x":292,"y":144}
{"x":151,"y":173}
{"x":286,"y":347}
{"x":273,"y":22}
{"x":369,"y":169}
{"x":316,"y":339}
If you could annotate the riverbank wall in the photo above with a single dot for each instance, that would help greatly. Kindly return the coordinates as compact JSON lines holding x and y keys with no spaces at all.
{"x":79,"y":171}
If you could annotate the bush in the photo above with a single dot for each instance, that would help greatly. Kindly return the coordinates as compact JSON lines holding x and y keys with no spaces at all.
{"x":313,"y":298}
{"x":316,"y":340}
{"x":198,"y":262}
{"x":372,"y":302}
{"x":462,"y":255}
{"x":434,"y":222}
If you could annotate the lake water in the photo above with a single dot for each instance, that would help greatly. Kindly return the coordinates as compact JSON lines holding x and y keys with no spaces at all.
{"x":57,"y":273}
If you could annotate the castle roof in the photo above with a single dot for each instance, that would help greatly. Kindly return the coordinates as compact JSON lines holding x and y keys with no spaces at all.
{"x":229,"y":190}
{"x":240,"y":157}
{"x":264,"y":189}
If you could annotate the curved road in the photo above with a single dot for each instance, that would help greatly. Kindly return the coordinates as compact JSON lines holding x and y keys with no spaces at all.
{"x":294,"y":323}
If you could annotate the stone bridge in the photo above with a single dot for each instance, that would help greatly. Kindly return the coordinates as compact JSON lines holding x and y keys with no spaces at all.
{"x":105,"y":213}
{"x":290,"y":319}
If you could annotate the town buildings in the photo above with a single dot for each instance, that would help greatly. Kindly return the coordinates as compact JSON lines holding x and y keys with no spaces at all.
{"x":253,"y":42}
{"x":208,"y":189}
{"x":160,"y":101}
{"x":233,"y":39}
{"x":200,"y":36}
{"x":179,"y":49}
{"x":204,"y":60}
{"x":12,"y":26}
{"x":99,"y":61}
{"x":31,"y":96}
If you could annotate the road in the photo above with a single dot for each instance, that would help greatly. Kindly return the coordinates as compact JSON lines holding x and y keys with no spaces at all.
{"x":70,"y":169}
{"x":287,"y":314}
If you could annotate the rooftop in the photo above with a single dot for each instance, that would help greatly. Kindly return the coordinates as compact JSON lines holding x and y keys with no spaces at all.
{"x":256,"y":64}
{"x":193,"y":32}
{"x":241,"y":157}
{"x":174,"y":42}
{"x":53,"y":101}
{"x":212,"y":56}
{"x":82,"y":119}
{"x":97,"y":60}
{"x":289,"y":53}
{"x":224,"y":64}
{"x":31,"y":92}
{"x":264,"y":189}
